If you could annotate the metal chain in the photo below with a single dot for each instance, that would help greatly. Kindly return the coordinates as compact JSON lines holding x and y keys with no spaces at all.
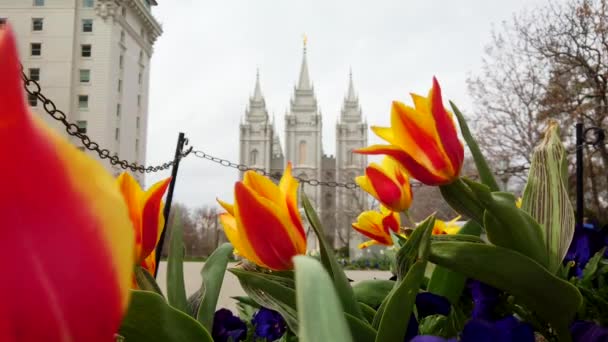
{"x":275,"y":175}
{"x":33,"y":88}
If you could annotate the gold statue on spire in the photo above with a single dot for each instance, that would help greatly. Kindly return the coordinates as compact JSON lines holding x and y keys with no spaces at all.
{"x":305,"y":39}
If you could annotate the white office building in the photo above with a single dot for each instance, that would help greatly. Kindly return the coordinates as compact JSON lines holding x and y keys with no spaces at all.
{"x":92,"y":59}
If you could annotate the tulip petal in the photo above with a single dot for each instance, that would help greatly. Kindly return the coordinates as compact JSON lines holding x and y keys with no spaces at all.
{"x":368,"y":243}
{"x":133,"y":195}
{"x":416,"y":170}
{"x":227,"y":206}
{"x":68,"y":243}
{"x":369,"y":223}
{"x":446,"y":128}
{"x":289,"y":187}
{"x":267,"y":227}
{"x":153,"y":218}
{"x":416,"y":134}
{"x":244,"y":249}
{"x":391,"y":223}
{"x":387,"y":190}
{"x":264,"y":187}
{"x":364,"y":183}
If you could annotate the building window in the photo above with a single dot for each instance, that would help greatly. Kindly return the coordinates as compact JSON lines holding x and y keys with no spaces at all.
{"x":136,"y":145}
{"x":351,"y":158}
{"x":141,"y":56}
{"x":85,"y":50}
{"x":82,"y":126}
{"x":302,"y":153}
{"x":118,"y":110}
{"x":35,"y":74}
{"x":123,"y":11}
{"x":121,"y":61}
{"x":253,"y":158}
{"x":119,"y":86}
{"x":122,"y":36}
{"x":85,"y":75}
{"x":88,"y":3}
{"x":87,"y":25}
{"x":2,"y":22}
{"x":83,"y":101}
{"x":137,"y":122}
{"x":38,"y":2}
{"x":117,"y":134}
{"x":32,"y":100}
{"x":138,"y":100}
{"x":36,"y":49}
{"x":37,"y":24}
{"x":139,"y":78}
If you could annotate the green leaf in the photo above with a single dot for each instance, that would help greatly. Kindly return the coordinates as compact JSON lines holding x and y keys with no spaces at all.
{"x":508,"y":226}
{"x":553,"y":299}
{"x":151,"y":319}
{"x":340,"y":281}
{"x":368,"y":312}
{"x":274,"y":292}
{"x":145,"y":281}
{"x":546,"y":196}
{"x":320,"y":313}
{"x":462,"y":199}
{"x":399,"y":305}
{"x":176,"y":290}
{"x":213,"y":276}
{"x":400,"y":302}
{"x":436,"y":325}
{"x":485,"y":174}
{"x":447,"y":283}
{"x":591,"y":267}
{"x":372,"y":292}
{"x":361,"y":331}
{"x":409,"y":253}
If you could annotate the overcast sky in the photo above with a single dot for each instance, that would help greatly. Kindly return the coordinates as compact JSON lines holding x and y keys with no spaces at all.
{"x":204,"y":65}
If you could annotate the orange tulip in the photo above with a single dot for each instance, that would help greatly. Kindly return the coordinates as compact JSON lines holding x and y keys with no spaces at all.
{"x":423,"y":139}
{"x":378,"y":226}
{"x":67,"y":245}
{"x":264,"y":224}
{"x":388,"y":183}
{"x":146,"y":213}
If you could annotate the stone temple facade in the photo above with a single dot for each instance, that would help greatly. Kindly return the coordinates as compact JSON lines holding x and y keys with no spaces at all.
{"x":260,"y":147}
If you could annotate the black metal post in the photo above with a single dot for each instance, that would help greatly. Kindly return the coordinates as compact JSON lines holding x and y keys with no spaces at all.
{"x":580,"y":143}
{"x":181,"y":140}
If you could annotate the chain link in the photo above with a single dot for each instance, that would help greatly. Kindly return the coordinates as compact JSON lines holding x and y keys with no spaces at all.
{"x":33,"y":88}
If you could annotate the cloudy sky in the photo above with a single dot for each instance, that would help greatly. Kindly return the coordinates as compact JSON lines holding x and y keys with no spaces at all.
{"x":203,"y":69}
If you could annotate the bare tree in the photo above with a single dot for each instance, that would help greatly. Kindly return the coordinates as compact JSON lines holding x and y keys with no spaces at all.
{"x":551,"y":62}
{"x":206,"y":221}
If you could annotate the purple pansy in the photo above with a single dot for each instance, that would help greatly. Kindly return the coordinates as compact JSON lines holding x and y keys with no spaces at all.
{"x":585,"y":331}
{"x":227,"y":327}
{"x":269,"y":324}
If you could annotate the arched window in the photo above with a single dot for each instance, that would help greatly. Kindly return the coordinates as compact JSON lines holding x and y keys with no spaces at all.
{"x":351,"y":157}
{"x":302,"y":153}
{"x":253,"y":158}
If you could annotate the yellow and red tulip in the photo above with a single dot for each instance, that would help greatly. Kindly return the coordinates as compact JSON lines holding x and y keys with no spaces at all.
{"x":388,"y":183}
{"x":146,"y":213}
{"x":442,"y":227}
{"x":423,"y":139}
{"x":67,"y":242}
{"x":264,"y":224}
{"x":378,"y":225}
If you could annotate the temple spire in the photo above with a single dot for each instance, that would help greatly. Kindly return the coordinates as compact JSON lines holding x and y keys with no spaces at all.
{"x":304,"y":81}
{"x":257,"y":93}
{"x":351,"y":96}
